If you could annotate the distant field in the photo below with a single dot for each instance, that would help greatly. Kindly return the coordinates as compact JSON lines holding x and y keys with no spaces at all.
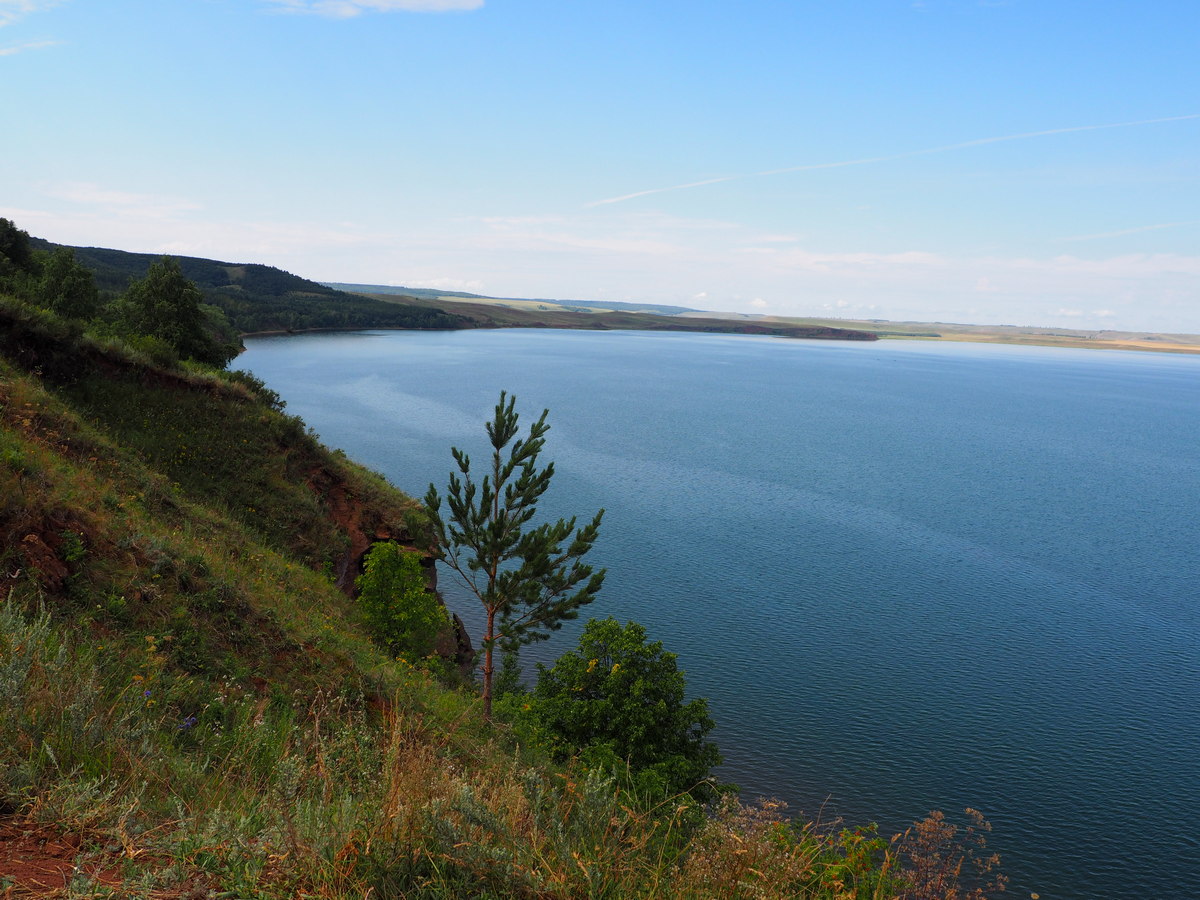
{"x":1002,"y":334}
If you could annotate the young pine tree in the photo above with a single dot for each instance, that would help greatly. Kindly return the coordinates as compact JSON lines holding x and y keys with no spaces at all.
{"x":529,"y":578}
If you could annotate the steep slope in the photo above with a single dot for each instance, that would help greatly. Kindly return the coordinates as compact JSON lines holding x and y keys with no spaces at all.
{"x":169,"y":491}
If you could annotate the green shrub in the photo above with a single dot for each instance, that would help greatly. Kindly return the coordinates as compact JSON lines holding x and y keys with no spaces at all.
{"x":620,"y":699}
{"x":403,"y":616}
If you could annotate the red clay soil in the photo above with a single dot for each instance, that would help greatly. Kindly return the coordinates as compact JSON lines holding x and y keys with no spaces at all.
{"x":40,"y":861}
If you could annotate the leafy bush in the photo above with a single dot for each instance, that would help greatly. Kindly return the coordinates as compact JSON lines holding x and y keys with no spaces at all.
{"x":403,"y":616}
{"x":619,"y":698}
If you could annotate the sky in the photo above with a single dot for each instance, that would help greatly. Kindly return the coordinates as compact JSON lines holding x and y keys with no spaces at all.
{"x":1024,"y":162}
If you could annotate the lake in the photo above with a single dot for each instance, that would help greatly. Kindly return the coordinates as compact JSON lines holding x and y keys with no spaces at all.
{"x":907,"y":575}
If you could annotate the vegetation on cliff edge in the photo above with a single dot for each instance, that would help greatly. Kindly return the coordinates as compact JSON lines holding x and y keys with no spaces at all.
{"x":189,"y":691}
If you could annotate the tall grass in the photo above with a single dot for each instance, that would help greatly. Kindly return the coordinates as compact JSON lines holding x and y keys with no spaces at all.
{"x":326,"y":796}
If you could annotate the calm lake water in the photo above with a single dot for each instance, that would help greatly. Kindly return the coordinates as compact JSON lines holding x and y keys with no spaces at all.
{"x":906,"y":575}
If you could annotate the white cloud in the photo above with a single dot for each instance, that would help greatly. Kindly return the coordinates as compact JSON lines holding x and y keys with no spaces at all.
{"x":21,"y":48}
{"x":778,"y":239}
{"x":12,"y":10}
{"x":759,"y":303}
{"x":470,"y":285}
{"x":886,"y":265}
{"x":122,"y":203}
{"x":346,"y":9}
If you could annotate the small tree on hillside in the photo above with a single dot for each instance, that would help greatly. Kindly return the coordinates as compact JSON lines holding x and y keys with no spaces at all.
{"x":66,"y":286}
{"x":16,"y":254}
{"x":17,"y":264}
{"x":403,"y":616}
{"x":527,"y":581}
{"x":167,"y":306}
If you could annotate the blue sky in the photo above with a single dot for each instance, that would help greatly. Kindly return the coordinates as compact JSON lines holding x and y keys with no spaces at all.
{"x":1031,"y":162}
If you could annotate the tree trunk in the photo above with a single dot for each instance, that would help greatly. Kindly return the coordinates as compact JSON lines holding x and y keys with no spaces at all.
{"x":488,"y":643}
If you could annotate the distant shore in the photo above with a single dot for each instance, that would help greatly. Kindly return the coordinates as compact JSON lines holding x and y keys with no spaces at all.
{"x":1009,"y":334}
{"x":507,"y":312}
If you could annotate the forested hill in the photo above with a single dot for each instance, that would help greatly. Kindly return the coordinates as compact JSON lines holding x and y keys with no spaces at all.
{"x":259,"y":298}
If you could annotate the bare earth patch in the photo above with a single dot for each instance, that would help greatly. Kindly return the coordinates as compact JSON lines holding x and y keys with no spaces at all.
{"x":42,"y":861}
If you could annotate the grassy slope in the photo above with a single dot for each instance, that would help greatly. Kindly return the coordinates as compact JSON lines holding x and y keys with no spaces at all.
{"x":162,"y":491}
{"x":188,"y":699}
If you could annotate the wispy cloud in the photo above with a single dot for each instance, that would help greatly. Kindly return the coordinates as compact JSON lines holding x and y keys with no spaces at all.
{"x":471,"y":285}
{"x":21,"y":48}
{"x":122,"y":203}
{"x":12,"y":10}
{"x":346,"y":9}
{"x":1081,"y":313}
{"x":1125,"y":231}
{"x":979,"y":142}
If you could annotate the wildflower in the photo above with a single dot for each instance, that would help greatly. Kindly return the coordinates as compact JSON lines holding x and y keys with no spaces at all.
{"x":187,"y":723}
{"x":146,"y":692}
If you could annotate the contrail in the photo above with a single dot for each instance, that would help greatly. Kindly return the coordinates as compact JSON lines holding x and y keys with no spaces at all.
{"x":878,"y":159}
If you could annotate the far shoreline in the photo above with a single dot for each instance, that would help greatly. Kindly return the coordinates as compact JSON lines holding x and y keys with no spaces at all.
{"x":501,"y":312}
{"x":1030,"y":339}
